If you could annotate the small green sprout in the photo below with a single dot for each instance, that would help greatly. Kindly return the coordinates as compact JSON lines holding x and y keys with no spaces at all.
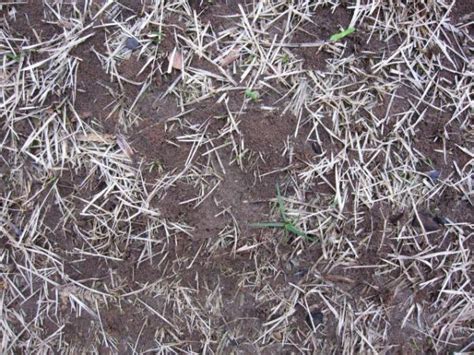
{"x":15,"y":57}
{"x":287,"y":225}
{"x":252,"y":95}
{"x":157,"y":37}
{"x":285,"y":58}
{"x":338,"y":36}
{"x":155,"y":165}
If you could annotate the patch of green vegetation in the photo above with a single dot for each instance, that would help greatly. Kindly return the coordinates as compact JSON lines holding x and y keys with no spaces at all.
{"x":285,"y":58}
{"x":340,"y":35}
{"x":252,"y":95}
{"x":12,"y":56}
{"x":287,"y":225}
{"x":36,"y":143}
{"x":157,"y":37}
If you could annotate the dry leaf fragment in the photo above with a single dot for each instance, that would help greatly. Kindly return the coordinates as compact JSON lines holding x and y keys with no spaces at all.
{"x":175,"y":60}
{"x":233,"y":55}
{"x":97,"y":138}
{"x":123,"y":144}
{"x":338,"y":278}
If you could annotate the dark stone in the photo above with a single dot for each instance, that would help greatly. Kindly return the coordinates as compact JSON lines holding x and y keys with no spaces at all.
{"x":316,"y":148}
{"x":315,"y":318}
{"x":440,"y":220}
{"x":132,"y":43}
{"x":434,"y":175}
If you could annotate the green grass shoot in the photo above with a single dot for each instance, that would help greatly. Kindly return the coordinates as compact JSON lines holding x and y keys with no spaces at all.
{"x":15,"y":57}
{"x":157,"y":37}
{"x":252,"y":95}
{"x":287,"y":225}
{"x":338,"y":36}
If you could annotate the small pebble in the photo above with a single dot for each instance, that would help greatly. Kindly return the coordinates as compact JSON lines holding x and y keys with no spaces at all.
{"x":441,"y":220}
{"x":317,"y":318}
{"x":316,"y":148}
{"x":132,"y":43}
{"x":434,"y":175}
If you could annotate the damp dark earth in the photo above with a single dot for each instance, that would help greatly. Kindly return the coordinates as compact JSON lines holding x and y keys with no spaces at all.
{"x":236,"y":177}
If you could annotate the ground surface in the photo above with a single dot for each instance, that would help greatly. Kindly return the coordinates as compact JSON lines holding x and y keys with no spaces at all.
{"x":141,"y":140}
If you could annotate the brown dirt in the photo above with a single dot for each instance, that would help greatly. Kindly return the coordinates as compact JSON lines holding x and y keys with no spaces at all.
{"x":235,"y":307}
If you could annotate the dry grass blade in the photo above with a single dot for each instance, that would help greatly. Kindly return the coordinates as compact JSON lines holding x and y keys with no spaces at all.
{"x":176,"y":60}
